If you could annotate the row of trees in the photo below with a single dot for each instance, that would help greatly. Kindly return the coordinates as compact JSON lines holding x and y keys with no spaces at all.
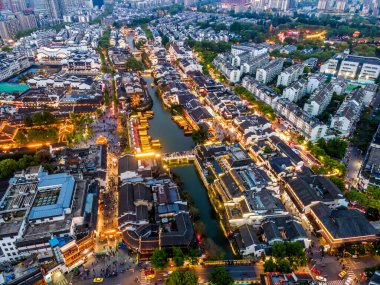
{"x":40,"y":118}
{"x":36,"y":135}
{"x":369,"y":198}
{"x":159,"y":257}
{"x":219,"y":276}
{"x":208,"y":50}
{"x":9,"y":165}
{"x":263,"y":108}
{"x":322,"y":151}
{"x":104,"y":41}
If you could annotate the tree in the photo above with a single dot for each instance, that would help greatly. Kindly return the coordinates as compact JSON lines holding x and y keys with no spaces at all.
{"x":178,"y":256}
{"x":159,"y":259}
{"x":220,"y":276}
{"x":133,"y":64}
{"x":6,"y":49}
{"x":339,"y":182}
{"x":106,"y":96}
{"x":301,"y":139}
{"x":187,"y":277}
{"x":270,"y":266}
{"x":336,"y":148}
{"x":190,"y":277}
{"x":199,"y":136}
{"x":7,"y":167}
{"x":192,"y":255}
{"x":283,"y":265}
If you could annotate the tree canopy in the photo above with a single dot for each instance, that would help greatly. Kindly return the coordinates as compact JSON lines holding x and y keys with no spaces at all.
{"x":220,"y":276}
{"x":178,"y":256}
{"x":289,"y":256}
{"x":158,"y":259}
{"x":187,"y":277}
{"x":40,"y":118}
{"x":133,"y":64}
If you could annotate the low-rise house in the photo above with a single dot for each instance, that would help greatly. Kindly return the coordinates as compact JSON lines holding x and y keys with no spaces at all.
{"x":306,"y":191}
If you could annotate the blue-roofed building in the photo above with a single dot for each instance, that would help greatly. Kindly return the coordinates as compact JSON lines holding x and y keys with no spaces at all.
{"x":62,"y":187}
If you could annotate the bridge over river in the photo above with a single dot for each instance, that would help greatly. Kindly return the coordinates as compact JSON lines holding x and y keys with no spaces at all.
{"x":178,"y":158}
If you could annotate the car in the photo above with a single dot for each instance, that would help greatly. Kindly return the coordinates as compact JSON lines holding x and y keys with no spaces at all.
{"x":321,"y":278}
{"x":348,"y":281}
{"x":342,"y":274}
{"x":98,"y":280}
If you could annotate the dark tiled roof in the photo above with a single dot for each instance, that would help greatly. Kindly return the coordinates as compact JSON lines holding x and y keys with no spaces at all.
{"x":343,"y":223}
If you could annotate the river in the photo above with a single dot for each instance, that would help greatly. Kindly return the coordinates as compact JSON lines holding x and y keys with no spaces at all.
{"x":173,"y":139}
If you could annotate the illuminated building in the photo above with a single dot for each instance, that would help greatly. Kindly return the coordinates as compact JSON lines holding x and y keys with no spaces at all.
{"x":351,"y":67}
{"x":303,"y":122}
{"x":342,"y":226}
{"x":170,"y":225}
{"x":37,"y":207}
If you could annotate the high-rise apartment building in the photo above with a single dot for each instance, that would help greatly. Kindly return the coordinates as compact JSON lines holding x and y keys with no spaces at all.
{"x":72,"y":5}
{"x":17,"y":5}
{"x":27,"y":20}
{"x":9,"y":28}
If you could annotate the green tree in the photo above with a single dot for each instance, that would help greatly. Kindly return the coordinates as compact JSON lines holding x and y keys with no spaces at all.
{"x":301,"y":139}
{"x":270,"y":266}
{"x":26,"y":161}
{"x":133,"y":64}
{"x":220,"y":276}
{"x":339,"y":182}
{"x":336,"y":148}
{"x":192,"y":255}
{"x":6,"y":49}
{"x":283,"y":265}
{"x":178,"y":256}
{"x":158,"y":259}
{"x":21,"y":137}
{"x":106,"y":96}
{"x":187,"y":277}
{"x":199,"y":136}
{"x":7,"y":167}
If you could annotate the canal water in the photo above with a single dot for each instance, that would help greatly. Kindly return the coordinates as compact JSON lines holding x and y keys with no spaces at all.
{"x":172,"y":139}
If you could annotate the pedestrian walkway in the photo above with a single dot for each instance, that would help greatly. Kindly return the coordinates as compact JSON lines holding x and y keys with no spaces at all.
{"x":142,"y":278}
{"x":60,"y":281}
{"x":351,"y":274}
{"x":335,"y":282}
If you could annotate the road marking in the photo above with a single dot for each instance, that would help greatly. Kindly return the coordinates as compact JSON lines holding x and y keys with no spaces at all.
{"x":335,"y":282}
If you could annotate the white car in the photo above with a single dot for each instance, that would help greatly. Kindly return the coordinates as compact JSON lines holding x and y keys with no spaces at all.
{"x":348,"y":281}
{"x":321,"y":278}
